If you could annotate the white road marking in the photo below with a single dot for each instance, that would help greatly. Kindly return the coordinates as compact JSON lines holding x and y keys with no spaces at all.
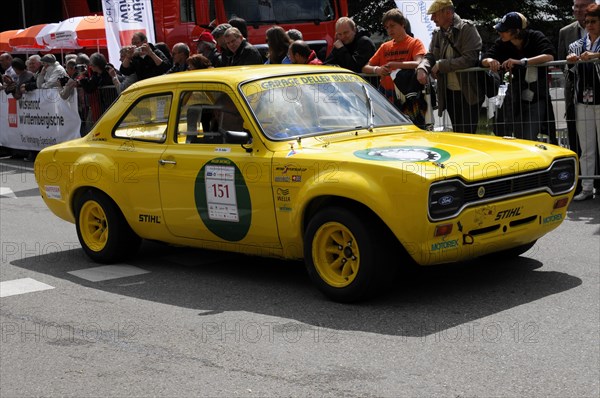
{"x":22,"y":286}
{"x":7,"y":192}
{"x":107,"y":272}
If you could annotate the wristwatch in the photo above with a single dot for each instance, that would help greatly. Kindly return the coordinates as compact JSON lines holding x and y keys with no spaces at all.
{"x":524,"y":62}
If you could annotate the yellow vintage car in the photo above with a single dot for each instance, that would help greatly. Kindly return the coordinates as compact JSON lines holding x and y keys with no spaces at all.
{"x":299,"y":162}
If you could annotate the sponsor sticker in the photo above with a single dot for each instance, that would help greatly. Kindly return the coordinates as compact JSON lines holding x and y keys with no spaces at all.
{"x":53,"y":192}
{"x":444,"y":245}
{"x":552,"y":219}
{"x":223,"y":199}
{"x":404,"y":154}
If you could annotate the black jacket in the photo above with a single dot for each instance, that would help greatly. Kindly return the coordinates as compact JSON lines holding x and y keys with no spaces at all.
{"x":145,"y":67}
{"x":178,"y":68}
{"x":246,"y":54}
{"x":354,"y":55}
{"x":91,"y":83}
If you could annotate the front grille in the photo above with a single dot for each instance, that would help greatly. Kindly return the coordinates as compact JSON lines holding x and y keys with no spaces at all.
{"x":557,"y":179}
{"x":516,"y":184}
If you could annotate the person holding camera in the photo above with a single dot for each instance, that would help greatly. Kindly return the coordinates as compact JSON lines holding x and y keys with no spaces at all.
{"x":68,"y":83}
{"x":51,"y":72}
{"x":143,"y":59}
{"x":96,"y":84}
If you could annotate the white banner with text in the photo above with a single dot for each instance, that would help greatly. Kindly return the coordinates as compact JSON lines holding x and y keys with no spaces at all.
{"x":38,"y":119}
{"x":121,"y":20}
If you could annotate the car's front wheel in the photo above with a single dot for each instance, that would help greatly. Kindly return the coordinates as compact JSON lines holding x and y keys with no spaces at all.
{"x":102,"y":230}
{"x":345,"y":255}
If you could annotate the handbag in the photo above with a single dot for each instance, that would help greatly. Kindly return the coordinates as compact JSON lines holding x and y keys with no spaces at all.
{"x":488,"y":82}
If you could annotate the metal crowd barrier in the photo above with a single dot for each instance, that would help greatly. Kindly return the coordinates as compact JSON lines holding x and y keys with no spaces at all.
{"x":93,"y":105}
{"x":538,"y":106}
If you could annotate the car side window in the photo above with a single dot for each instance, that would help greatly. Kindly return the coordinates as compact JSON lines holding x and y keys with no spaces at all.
{"x":205,"y":117}
{"x":147,"y":119}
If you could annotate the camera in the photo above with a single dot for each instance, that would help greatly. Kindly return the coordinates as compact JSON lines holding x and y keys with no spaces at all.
{"x":64,"y":80}
{"x":81,"y":68}
{"x":137,"y":50}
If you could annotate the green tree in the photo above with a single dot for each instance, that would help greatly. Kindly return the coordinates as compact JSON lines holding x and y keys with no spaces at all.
{"x":547,"y":16}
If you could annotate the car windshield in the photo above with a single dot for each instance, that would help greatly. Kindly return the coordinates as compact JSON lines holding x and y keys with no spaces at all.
{"x":316,"y":104}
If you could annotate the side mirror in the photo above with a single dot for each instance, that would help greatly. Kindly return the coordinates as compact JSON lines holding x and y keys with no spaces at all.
{"x":237,"y":137}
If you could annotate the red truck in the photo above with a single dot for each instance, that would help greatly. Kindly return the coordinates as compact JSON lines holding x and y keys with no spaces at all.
{"x":183,"y":20}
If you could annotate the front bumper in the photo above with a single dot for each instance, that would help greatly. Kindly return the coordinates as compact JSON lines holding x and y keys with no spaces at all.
{"x":492,"y":227}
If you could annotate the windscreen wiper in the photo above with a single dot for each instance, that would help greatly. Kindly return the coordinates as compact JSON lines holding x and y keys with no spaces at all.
{"x":370,"y":109}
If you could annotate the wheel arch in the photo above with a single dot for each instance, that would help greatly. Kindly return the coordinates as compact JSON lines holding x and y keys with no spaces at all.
{"x":80,"y":191}
{"x":321,"y":202}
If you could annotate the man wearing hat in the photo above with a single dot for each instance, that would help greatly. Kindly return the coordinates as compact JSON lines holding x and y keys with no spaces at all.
{"x":455,"y":45}
{"x":51,"y":73}
{"x":207,"y":46}
{"x":218,"y":34}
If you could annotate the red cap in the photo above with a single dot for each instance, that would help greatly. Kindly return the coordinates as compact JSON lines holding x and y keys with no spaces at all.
{"x":206,"y":36}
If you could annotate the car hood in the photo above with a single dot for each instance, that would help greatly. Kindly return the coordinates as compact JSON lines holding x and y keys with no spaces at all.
{"x":471,"y":156}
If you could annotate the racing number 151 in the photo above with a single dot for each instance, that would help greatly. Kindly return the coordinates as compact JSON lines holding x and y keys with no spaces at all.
{"x":220,"y":190}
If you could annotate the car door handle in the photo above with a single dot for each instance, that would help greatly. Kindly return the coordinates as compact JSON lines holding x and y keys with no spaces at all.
{"x":163,"y":162}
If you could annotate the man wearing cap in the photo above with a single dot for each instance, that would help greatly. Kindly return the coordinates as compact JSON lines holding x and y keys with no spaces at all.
{"x":51,"y":73}
{"x":218,"y":34}
{"x":207,"y":46}
{"x":527,"y":109}
{"x":455,"y":45}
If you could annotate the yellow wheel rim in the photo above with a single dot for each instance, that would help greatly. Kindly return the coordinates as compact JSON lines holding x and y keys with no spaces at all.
{"x":93,"y":226}
{"x":335,"y":254}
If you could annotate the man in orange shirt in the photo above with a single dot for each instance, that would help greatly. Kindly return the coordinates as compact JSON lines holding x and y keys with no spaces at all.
{"x":402,"y":52}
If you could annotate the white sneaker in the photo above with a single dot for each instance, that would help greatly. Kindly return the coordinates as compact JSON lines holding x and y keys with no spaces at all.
{"x":584,"y":195}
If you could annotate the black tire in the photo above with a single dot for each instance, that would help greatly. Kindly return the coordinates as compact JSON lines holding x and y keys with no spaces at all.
{"x":103,"y":232}
{"x":345,"y":255}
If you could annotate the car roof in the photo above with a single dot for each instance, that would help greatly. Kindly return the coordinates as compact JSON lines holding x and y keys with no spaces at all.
{"x":233,"y":75}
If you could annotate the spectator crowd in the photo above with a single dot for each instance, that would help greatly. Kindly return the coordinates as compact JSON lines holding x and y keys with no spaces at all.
{"x":404,"y":67}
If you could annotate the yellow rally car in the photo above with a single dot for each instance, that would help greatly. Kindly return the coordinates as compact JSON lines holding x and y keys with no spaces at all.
{"x":299,"y":162}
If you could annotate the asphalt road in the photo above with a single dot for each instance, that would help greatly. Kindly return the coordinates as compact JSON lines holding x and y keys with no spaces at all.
{"x":182,"y":322}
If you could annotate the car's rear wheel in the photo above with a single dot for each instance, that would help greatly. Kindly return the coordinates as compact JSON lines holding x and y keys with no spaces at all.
{"x":102,"y":230}
{"x":345,"y":255}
